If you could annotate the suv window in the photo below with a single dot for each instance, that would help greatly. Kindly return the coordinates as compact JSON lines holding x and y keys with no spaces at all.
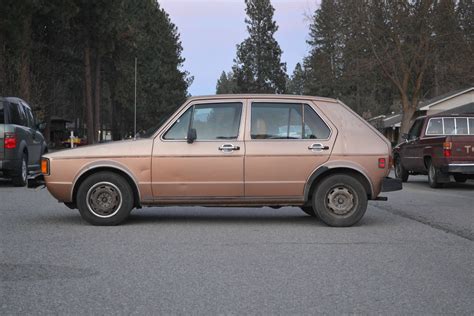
{"x":2,"y":113}
{"x":29,"y":116}
{"x":16,"y":115}
{"x":211,"y":121}
{"x":286,"y":121}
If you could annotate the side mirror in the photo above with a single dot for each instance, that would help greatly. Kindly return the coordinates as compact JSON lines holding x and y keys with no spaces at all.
{"x":192,"y":135}
{"x":41,"y":126}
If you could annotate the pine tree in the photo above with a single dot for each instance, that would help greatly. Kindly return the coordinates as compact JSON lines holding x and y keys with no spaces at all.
{"x":295,"y":84}
{"x":258,"y":67}
{"x":226,"y":83}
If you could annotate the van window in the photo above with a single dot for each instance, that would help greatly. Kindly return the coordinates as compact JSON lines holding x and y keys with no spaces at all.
{"x":2,"y":114}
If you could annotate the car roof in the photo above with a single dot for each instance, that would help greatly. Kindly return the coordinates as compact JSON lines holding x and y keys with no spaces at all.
{"x":262,"y":96}
{"x":16,"y":100}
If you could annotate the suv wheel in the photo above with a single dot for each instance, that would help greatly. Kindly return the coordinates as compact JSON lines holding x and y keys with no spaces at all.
{"x":19,"y":180}
{"x":105,"y":198}
{"x":340,"y":200}
{"x":400,"y":172}
{"x":433,"y":174}
{"x":308,"y":210}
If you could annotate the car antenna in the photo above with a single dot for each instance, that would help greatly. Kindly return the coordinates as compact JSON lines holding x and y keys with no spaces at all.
{"x":135,"y":105}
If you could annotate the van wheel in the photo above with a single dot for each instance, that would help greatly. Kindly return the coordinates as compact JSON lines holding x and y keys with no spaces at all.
{"x":400,"y":171}
{"x":433,"y":174}
{"x":19,"y":180}
{"x":105,"y":198}
{"x":340,"y":200}
{"x":308,"y":210}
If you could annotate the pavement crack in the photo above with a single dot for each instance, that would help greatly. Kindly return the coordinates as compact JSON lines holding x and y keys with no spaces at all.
{"x":447,"y":228}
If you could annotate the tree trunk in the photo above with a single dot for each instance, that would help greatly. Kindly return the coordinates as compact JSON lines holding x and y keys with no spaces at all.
{"x":88,"y":96}
{"x":97,"y":97}
{"x":407,"y":117}
{"x":24,"y":71}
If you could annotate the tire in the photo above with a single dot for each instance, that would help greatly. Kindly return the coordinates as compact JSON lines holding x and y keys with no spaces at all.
{"x":21,"y":175}
{"x":460,"y":178}
{"x":116,"y":194}
{"x":433,"y":174}
{"x":340,"y":200}
{"x":400,"y":171}
{"x":308,"y":210}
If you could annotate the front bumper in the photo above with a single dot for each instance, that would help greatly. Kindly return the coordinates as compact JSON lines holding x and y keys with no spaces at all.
{"x":35,"y":180}
{"x":390,"y":184}
{"x":465,"y":168}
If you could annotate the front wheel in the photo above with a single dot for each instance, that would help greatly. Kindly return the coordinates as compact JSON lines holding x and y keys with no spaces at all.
{"x":340,"y":200}
{"x":400,"y":171}
{"x":105,"y":198}
{"x":433,"y":176}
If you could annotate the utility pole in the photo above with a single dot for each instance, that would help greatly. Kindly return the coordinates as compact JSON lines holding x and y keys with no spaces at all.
{"x":135,"y":112}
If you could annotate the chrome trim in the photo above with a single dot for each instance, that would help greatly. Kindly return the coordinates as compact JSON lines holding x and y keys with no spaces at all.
{"x":461,"y":164}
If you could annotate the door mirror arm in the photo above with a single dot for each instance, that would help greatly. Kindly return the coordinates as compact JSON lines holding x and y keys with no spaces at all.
{"x":192,"y":135}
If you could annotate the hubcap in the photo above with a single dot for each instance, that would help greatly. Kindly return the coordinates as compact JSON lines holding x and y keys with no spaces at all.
{"x":24,"y":170}
{"x":340,"y":200}
{"x":104,"y":199}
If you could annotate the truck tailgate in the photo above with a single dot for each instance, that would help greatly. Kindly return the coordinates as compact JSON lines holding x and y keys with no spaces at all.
{"x":462,"y":148}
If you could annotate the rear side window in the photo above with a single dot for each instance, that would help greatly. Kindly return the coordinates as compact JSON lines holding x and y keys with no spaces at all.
{"x":2,"y":114}
{"x":16,"y":115}
{"x":286,"y":121}
{"x":29,"y":115}
{"x":471,"y":126}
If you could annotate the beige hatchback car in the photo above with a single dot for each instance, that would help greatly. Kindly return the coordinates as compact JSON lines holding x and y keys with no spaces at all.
{"x":232,"y":150}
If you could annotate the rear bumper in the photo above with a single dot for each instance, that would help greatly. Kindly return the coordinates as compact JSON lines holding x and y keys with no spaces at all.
{"x":390,"y":184}
{"x":35,"y":180}
{"x":10,"y":165}
{"x":465,"y":168}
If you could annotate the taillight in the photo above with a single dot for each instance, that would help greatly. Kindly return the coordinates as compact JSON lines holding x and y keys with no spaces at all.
{"x":10,"y":141}
{"x":447,"y":146}
{"x":45,"y":166}
{"x":382,"y":163}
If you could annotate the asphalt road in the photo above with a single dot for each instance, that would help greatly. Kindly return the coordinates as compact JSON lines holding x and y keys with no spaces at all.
{"x":411,"y":255}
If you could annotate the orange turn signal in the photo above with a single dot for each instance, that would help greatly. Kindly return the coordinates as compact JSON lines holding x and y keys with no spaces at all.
{"x":45,"y":166}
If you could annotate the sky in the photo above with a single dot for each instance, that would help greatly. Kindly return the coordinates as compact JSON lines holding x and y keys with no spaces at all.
{"x":211,"y":29}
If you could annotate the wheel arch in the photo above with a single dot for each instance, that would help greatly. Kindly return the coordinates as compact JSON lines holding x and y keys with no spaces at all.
{"x":324,"y":171}
{"x":113,"y":169}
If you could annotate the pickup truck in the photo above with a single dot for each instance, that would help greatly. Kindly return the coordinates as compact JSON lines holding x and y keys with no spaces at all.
{"x":439,"y":146}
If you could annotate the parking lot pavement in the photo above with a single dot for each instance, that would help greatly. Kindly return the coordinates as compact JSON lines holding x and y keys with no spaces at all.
{"x":400,"y":259}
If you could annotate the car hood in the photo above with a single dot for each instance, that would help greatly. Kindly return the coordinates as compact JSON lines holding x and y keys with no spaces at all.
{"x":126,"y":148}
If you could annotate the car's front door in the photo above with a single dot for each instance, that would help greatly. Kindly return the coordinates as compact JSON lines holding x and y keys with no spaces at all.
{"x":412,"y":151}
{"x":285,"y":143}
{"x":212,"y":165}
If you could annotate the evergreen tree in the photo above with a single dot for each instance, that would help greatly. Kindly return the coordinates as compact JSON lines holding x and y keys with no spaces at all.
{"x":258,"y":67}
{"x":295,"y":84}
{"x":226,"y":84}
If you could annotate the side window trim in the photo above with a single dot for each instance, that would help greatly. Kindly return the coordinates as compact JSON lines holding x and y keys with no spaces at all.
{"x":469,"y":132}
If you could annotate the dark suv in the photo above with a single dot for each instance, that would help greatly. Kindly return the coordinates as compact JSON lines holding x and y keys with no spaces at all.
{"x":21,"y":144}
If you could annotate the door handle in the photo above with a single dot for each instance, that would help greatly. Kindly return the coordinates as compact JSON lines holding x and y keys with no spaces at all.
{"x":228,"y":148}
{"x":318,"y":147}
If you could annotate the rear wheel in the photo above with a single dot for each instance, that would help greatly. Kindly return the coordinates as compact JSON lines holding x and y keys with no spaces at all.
{"x":460,"y":178}
{"x":400,"y":172}
{"x":105,"y":198}
{"x":20,"y":178}
{"x":433,"y":175}
{"x":340,"y":200}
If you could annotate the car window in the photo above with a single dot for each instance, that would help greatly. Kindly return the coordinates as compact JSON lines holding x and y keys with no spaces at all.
{"x":314,"y":126}
{"x":29,"y":116}
{"x":449,"y":127}
{"x":471,"y":126}
{"x":179,"y":130}
{"x":276,"y":121}
{"x":415,"y":130}
{"x":461,"y":126}
{"x":216,"y":121}
{"x":2,"y":114}
{"x":16,"y":115}
{"x":435,"y":127}
{"x":211,"y":121}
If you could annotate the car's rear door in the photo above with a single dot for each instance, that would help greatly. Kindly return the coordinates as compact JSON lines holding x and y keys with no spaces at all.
{"x":213,"y":165}
{"x":285,"y":142}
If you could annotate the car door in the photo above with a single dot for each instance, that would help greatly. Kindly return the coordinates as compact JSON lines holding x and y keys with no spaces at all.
{"x":212,"y":165}
{"x":285,"y":142}
{"x":412,"y":157}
